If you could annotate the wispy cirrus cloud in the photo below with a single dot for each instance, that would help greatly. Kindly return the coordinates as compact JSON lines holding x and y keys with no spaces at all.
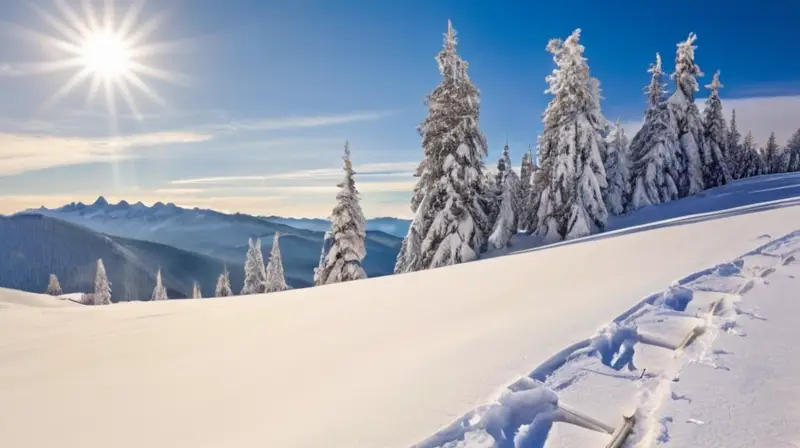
{"x":20,"y":153}
{"x":390,"y":169}
{"x":31,"y":144}
{"x":300,"y":122}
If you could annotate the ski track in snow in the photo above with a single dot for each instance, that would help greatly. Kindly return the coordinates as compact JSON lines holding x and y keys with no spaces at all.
{"x":600,"y":376}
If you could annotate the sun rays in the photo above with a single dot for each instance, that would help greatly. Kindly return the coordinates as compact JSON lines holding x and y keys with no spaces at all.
{"x":108,"y":54}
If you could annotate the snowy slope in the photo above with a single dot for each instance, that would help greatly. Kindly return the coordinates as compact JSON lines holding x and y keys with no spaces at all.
{"x":384,"y":362}
{"x":219,"y":235}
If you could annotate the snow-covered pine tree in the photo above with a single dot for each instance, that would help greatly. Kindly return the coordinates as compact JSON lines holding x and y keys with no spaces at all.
{"x":450,"y":213}
{"x":343,"y":261}
{"x":159,"y":292}
{"x":102,"y":287}
{"x":223,"y":288}
{"x":752,"y":161}
{"x":687,"y":119}
{"x":733,"y":149}
{"x":53,"y":287}
{"x":254,"y":275}
{"x":715,"y":170}
{"x":617,"y":194}
{"x":196,"y":293}
{"x":275,"y":281}
{"x":793,"y":148}
{"x":657,"y":162}
{"x":507,"y":183}
{"x":572,"y":176}
{"x":524,"y":197}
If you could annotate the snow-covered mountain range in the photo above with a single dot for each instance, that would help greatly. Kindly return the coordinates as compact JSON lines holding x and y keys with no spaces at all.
{"x":219,"y":235}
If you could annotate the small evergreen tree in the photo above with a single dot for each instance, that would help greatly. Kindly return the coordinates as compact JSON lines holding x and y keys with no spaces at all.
{"x":774,"y":161}
{"x":715,"y":169}
{"x":53,"y":287}
{"x":159,"y":292}
{"x":196,"y":293}
{"x":507,"y":184}
{"x":342,"y":263}
{"x":524,"y":197}
{"x":223,"y":288}
{"x":254,"y":274}
{"x":450,"y":200}
{"x":734,"y":154}
{"x":617,"y":167}
{"x":793,"y":148}
{"x":275,"y":280}
{"x":102,"y":287}
{"x":752,"y":162}
{"x":657,"y":163}
{"x":570,"y":149}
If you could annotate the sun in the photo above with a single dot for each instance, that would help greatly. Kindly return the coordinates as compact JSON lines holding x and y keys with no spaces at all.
{"x":106,"y":54}
{"x":111,"y":55}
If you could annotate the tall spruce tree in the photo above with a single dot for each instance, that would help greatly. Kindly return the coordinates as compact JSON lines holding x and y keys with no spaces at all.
{"x":687,"y":118}
{"x":275,"y":280}
{"x":223,"y":288}
{"x":793,"y":148}
{"x":53,"y":287}
{"x":159,"y":292}
{"x":617,"y":166}
{"x":572,"y":175}
{"x":507,"y":183}
{"x":715,"y":168}
{"x":657,"y":162}
{"x":734,"y":154}
{"x":450,"y":199}
{"x":102,"y":287}
{"x":342,"y":263}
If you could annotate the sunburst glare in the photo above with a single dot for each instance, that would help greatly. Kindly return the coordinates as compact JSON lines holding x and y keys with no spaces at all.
{"x":105,"y":53}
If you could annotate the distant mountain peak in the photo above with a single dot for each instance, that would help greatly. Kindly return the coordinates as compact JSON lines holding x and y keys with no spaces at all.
{"x":100,"y":202}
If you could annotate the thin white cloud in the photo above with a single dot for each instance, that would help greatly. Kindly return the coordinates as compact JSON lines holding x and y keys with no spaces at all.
{"x":397,"y":169}
{"x":760,"y":115}
{"x":20,"y":153}
{"x":300,"y":122}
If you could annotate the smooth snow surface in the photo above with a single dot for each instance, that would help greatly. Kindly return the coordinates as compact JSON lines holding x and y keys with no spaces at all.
{"x":385,"y":362}
{"x":12,"y":298}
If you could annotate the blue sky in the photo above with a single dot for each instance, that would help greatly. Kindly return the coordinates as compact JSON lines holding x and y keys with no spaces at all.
{"x":260,"y":95}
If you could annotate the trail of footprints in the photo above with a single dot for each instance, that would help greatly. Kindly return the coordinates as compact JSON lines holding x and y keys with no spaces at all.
{"x":637,"y":357}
